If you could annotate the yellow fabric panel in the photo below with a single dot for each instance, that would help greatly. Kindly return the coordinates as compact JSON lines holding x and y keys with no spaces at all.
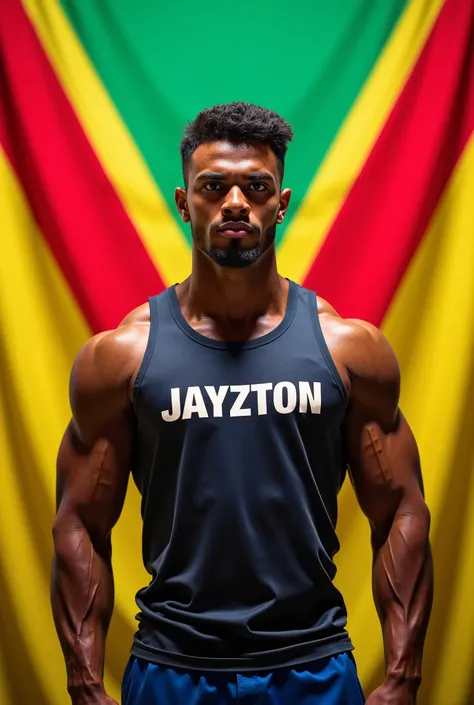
{"x":431,"y":327}
{"x":355,"y":139}
{"x":457,"y":665}
{"x":111,"y":141}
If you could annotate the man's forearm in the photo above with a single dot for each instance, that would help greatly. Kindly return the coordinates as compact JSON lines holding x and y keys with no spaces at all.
{"x":403,"y":592}
{"x":82,"y":597}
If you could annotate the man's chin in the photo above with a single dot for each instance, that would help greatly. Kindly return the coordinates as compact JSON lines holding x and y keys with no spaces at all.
{"x":233,"y":257}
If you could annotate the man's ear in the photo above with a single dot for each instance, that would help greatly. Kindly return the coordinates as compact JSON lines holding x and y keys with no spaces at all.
{"x":285,"y":196}
{"x":181,"y":201}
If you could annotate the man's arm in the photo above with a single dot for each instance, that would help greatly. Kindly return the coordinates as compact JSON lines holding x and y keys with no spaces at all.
{"x":92,"y":477}
{"x":385,"y":471}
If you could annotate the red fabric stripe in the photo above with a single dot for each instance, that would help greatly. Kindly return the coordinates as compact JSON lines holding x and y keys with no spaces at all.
{"x":74,"y":203}
{"x":386,"y":213}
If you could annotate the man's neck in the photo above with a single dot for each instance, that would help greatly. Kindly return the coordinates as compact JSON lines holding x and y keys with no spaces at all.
{"x":233,"y":295}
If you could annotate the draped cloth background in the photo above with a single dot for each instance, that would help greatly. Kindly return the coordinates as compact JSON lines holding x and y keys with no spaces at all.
{"x":94,"y":97}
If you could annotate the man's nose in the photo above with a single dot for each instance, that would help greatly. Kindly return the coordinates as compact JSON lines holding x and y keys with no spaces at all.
{"x":235,"y":204}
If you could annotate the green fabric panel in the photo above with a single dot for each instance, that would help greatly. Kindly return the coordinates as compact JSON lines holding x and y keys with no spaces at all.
{"x":163,"y":62}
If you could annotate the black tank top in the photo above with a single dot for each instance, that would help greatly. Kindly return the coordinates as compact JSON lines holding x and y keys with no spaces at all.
{"x":239,"y":459}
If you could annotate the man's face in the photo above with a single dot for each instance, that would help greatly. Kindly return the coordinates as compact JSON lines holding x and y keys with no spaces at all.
{"x":233,"y":201}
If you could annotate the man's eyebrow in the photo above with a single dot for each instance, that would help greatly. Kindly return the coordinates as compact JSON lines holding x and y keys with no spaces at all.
{"x":261,"y":175}
{"x":211,"y":175}
{"x":220,"y":176}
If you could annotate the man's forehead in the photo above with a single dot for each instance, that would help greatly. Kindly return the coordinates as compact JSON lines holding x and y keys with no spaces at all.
{"x":227,"y":156}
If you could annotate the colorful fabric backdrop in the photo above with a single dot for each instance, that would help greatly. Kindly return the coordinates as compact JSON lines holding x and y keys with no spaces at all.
{"x":94,"y":97}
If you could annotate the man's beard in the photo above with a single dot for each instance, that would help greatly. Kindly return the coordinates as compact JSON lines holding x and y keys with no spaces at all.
{"x":235,"y":256}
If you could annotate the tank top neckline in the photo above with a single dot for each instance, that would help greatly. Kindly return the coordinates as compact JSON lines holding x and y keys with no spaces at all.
{"x":235,"y":346}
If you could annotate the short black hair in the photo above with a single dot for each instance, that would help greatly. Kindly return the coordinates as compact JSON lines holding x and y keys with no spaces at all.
{"x":240,"y":123}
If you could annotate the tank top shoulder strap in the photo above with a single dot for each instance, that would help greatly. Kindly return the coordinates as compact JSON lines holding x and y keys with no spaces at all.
{"x":158,"y":307}
{"x":312,"y":302}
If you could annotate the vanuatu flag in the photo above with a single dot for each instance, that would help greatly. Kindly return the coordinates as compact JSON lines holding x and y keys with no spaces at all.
{"x":94,"y":96}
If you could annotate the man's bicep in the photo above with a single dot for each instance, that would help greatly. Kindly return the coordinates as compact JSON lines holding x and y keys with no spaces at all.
{"x":382,"y":454}
{"x":384,"y":467}
{"x":94,"y":457}
{"x":92,"y":480}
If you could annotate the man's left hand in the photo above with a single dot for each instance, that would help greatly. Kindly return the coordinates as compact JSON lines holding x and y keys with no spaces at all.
{"x":393,"y":694}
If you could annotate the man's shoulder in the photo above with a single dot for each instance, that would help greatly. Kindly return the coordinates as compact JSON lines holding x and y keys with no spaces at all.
{"x":109,"y":360}
{"x":358,"y":345}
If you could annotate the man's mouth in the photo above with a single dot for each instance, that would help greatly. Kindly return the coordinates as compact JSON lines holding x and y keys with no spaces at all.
{"x":235,"y":229}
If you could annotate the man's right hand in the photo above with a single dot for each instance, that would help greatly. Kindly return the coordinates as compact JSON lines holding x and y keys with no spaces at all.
{"x":99,"y":697}
{"x":96,"y":700}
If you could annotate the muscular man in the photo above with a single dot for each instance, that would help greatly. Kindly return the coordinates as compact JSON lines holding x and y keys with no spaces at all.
{"x":237,"y":399}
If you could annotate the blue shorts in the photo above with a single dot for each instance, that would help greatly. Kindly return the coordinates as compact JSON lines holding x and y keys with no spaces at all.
{"x":329,"y":681}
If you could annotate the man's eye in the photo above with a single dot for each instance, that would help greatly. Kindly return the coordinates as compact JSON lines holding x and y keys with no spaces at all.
{"x":212,"y":186}
{"x":257,"y":186}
